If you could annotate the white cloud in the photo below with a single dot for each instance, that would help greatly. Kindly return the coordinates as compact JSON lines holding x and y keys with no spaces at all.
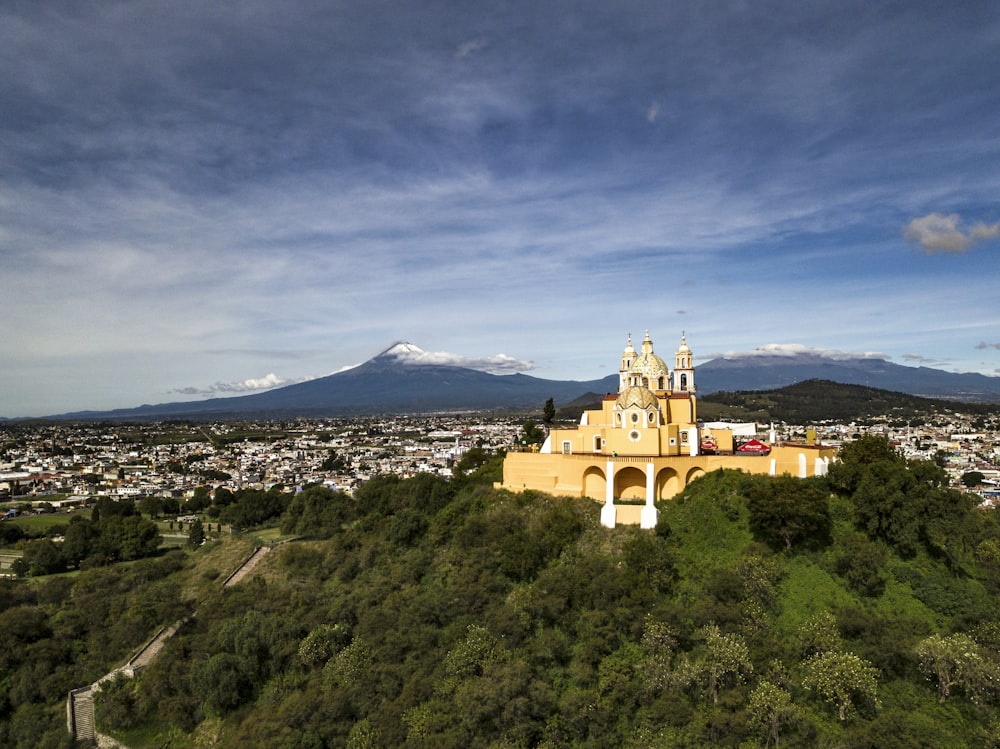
{"x":797,"y":349}
{"x":467,"y":48}
{"x":499,"y":364}
{"x":937,"y":232}
{"x":653,"y":112}
{"x":250,"y":385}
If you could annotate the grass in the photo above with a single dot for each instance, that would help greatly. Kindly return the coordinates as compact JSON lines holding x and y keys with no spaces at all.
{"x":33,"y":524}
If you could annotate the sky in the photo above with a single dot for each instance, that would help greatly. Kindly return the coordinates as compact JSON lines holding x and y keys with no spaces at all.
{"x":202,"y":199}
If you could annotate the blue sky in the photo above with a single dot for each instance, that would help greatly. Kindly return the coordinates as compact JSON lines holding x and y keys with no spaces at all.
{"x":207,"y":198}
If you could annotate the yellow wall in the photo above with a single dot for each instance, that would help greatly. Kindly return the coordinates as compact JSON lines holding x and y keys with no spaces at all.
{"x":585,"y":475}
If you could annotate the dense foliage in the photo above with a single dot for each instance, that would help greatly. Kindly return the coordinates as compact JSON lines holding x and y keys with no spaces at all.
{"x":115,"y":532}
{"x":62,"y":633}
{"x":429,"y":613}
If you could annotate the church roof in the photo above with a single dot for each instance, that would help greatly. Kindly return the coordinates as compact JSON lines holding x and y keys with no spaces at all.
{"x":637,"y":396}
{"x":647,"y":363}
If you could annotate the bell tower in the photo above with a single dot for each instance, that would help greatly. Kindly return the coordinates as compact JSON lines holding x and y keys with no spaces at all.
{"x":684,"y":368}
{"x":628,"y":357}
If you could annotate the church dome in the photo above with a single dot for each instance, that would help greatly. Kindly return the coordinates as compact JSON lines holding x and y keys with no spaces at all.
{"x":648,"y":369}
{"x":637,"y":397}
{"x":649,"y":365}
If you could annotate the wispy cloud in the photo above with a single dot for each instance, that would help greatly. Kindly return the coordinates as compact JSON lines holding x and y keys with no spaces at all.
{"x":469,"y":47}
{"x":938,"y":232}
{"x":924,"y":361}
{"x":791,"y":350}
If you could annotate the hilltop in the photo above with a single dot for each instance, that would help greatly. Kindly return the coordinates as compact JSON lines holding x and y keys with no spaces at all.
{"x":428,"y":613}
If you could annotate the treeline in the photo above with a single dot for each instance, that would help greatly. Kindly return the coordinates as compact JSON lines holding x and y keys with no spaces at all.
{"x":115,"y":532}
{"x":62,"y":633}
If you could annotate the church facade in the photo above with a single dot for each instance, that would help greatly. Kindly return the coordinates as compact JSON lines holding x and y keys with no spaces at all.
{"x":645,"y":444}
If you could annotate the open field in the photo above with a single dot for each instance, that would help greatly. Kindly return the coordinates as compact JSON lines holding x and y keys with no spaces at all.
{"x":34,"y":524}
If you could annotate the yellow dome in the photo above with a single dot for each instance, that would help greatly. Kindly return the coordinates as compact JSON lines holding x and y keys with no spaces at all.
{"x":637,"y":396}
{"x":649,"y":365}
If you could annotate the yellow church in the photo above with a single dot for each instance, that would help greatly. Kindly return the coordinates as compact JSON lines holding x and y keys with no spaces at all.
{"x":645,"y":443}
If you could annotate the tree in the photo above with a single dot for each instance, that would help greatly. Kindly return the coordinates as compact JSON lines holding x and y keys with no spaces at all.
{"x":726,"y":658}
{"x":533,"y":434}
{"x":786,"y":512}
{"x":43,"y":557}
{"x":222,"y":682}
{"x":972,"y":478}
{"x":549,"y":412}
{"x":842,"y":679}
{"x":151,"y":506}
{"x":860,"y":562}
{"x":333,"y":463}
{"x":139,"y":538}
{"x":196,"y":534}
{"x":79,"y":540}
{"x":770,"y":709}
{"x":958,"y":661}
{"x":199,"y":500}
{"x":856,"y":456}
{"x":659,"y":643}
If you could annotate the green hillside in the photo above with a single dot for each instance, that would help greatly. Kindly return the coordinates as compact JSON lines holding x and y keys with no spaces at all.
{"x":815,"y":401}
{"x":858,"y":610}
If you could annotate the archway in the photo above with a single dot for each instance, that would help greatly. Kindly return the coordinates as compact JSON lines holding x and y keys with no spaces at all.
{"x":668,"y":483}
{"x":630,"y":483}
{"x":692,"y":474}
{"x":594,"y":484}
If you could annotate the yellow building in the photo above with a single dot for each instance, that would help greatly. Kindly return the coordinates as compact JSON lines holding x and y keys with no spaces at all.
{"x":645,"y":444}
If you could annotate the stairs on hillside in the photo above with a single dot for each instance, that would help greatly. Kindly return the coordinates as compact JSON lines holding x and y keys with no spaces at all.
{"x":244,"y":569}
{"x":83,"y":715}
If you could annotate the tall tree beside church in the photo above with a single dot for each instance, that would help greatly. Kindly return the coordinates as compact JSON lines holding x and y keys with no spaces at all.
{"x":549,"y":412}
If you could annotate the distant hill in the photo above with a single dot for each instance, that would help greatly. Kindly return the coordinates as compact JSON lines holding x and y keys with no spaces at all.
{"x":394,"y":382}
{"x":815,"y":401}
{"x":772,"y":372}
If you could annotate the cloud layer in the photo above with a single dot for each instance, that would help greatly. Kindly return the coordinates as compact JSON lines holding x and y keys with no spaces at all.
{"x":200,"y":193}
{"x":791,"y":350}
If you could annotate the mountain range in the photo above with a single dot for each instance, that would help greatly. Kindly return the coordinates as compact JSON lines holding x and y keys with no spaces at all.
{"x":396,"y":382}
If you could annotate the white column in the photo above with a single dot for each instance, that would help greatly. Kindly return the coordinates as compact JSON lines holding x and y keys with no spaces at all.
{"x":693,"y":443}
{"x":802,"y":466}
{"x":774,"y":467}
{"x":649,"y":514}
{"x":608,"y":511}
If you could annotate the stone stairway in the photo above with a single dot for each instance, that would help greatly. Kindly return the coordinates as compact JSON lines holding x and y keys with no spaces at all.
{"x":244,"y":569}
{"x":82,"y":707}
